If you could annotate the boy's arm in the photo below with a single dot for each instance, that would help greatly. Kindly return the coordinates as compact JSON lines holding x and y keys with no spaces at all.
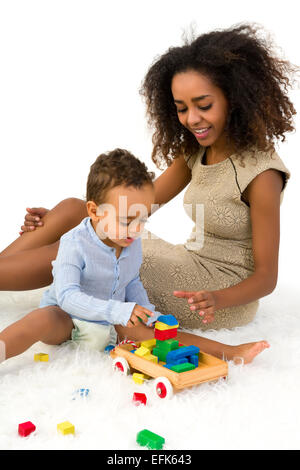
{"x":135,"y":292}
{"x":70,"y":298}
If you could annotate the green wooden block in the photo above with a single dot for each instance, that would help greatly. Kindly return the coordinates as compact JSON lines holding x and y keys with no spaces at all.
{"x":162,"y":355}
{"x":168,"y":344}
{"x":183,"y":367}
{"x":150,"y":439}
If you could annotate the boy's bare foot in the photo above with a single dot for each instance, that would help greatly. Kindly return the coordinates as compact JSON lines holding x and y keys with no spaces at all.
{"x":245,"y":353}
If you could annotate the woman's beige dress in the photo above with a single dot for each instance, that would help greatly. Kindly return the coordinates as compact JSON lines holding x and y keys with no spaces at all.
{"x":218,"y":253}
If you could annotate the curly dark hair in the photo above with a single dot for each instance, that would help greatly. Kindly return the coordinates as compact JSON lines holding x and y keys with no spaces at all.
{"x":253,"y":79}
{"x":114,"y":168}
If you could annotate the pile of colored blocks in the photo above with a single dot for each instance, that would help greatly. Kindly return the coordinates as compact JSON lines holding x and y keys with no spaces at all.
{"x":166,"y":348}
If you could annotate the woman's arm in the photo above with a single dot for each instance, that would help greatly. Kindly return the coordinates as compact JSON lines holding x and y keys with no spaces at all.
{"x":172,"y":181}
{"x":263,"y":195}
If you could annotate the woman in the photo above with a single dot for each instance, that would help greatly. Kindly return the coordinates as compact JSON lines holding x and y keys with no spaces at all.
{"x":217,"y":106}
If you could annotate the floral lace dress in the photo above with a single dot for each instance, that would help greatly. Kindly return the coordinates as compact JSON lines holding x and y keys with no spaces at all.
{"x":218,"y":253}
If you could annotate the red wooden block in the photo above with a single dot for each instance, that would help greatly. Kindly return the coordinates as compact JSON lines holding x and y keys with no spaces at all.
{"x":165,"y":334}
{"x":26,"y":428}
{"x":139,"y":398}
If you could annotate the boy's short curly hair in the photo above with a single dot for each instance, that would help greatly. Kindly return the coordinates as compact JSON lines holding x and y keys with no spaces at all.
{"x":114,"y":168}
{"x":245,"y":67}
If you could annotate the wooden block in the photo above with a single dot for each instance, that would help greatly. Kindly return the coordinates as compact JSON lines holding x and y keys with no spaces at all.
{"x":142,"y":351}
{"x":161,"y":354}
{"x":138,"y":378}
{"x":182,"y":352}
{"x":26,"y":428}
{"x":162,"y":326}
{"x":183,"y":367}
{"x":41,"y":357}
{"x":66,"y":428}
{"x":167,"y":334}
{"x":139,"y":398}
{"x":168,"y":320}
{"x":150,"y":439}
{"x":149,"y":343}
{"x":167,"y":345}
{"x":151,"y":358}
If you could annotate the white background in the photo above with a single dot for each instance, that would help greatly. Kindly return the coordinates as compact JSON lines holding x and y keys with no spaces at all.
{"x":69,"y":90}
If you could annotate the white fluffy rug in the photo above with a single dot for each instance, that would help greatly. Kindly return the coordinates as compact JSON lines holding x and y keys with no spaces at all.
{"x":257,"y":408}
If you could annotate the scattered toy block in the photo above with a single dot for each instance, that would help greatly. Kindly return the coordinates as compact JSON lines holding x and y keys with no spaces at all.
{"x":81,"y":392}
{"x":149,"y":439}
{"x":142,"y":351}
{"x":138,"y":378}
{"x":168,"y":320}
{"x":41,"y":357}
{"x":163,"y":327}
{"x":66,"y":428}
{"x":139,"y":398}
{"x":26,"y":428}
{"x":167,"y":334}
{"x":182,"y":367}
{"x":184,"y":351}
{"x":149,"y":343}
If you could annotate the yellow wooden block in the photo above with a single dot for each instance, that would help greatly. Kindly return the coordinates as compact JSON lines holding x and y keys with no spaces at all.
{"x":162,"y":326}
{"x":138,"y":378}
{"x":151,"y":358}
{"x":149,"y":344}
{"x":142,"y":351}
{"x":66,"y":428}
{"x":41,"y":357}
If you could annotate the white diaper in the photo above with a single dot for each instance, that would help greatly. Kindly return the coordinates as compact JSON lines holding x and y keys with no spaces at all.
{"x":93,"y":335}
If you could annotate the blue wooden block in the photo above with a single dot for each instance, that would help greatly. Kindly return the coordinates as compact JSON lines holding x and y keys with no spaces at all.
{"x":168,"y":320}
{"x":81,"y":392}
{"x":194,"y":360}
{"x":185,"y":351}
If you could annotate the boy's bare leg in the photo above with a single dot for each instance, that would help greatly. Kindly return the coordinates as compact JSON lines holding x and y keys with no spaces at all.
{"x":51,"y":325}
{"x":64,"y":216}
{"x":245,"y":352}
{"x":26,"y":263}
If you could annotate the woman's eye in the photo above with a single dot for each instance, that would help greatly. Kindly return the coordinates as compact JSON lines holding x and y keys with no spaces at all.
{"x":204,"y":108}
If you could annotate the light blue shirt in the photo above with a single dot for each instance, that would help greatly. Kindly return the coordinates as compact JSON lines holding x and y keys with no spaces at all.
{"x":90,"y":283}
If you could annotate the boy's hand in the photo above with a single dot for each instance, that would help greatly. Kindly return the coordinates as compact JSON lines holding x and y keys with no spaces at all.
{"x":203,"y":301}
{"x":138,"y":314}
{"x":33,"y":218}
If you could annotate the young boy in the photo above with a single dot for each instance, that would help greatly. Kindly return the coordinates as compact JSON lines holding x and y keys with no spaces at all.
{"x":96,"y":284}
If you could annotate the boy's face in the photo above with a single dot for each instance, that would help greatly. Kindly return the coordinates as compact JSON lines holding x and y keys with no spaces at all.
{"x":121,"y":218}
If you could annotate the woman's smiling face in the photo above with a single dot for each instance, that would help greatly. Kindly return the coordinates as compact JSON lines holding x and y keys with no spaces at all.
{"x":201,"y":107}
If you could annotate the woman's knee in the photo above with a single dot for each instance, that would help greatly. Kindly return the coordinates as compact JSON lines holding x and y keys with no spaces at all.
{"x":72,"y":206}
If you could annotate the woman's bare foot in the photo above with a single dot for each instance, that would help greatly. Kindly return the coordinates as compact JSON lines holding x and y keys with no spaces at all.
{"x":245,"y":353}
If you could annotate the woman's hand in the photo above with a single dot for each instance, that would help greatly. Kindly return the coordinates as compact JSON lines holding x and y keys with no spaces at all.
{"x":203,"y":302}
{"x":33,"y":219}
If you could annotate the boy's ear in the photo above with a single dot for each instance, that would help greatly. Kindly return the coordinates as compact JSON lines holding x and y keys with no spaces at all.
{"x":92,"y":210}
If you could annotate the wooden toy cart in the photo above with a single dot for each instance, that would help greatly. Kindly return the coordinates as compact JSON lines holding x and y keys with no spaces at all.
{"x":166,"y":381}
